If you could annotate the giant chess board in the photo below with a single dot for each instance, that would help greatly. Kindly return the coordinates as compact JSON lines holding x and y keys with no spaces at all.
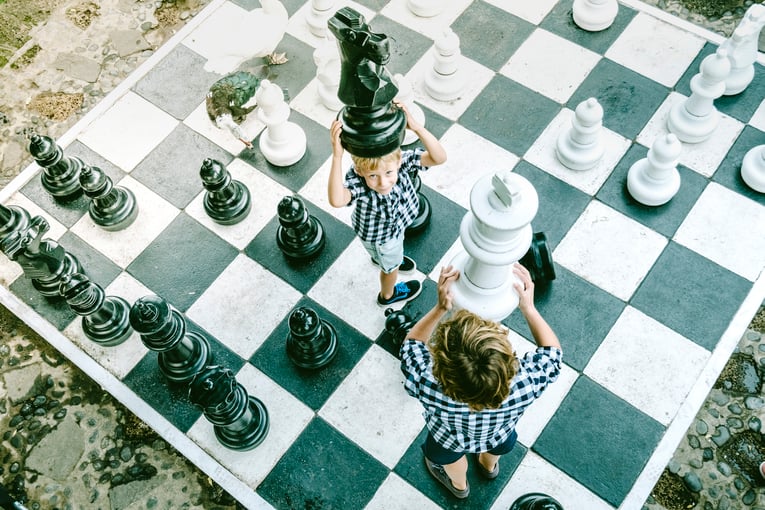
{"x":648,"y":303}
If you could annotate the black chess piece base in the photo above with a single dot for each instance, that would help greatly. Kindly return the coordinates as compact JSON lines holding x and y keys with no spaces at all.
{"x":536,"y":501}
{"x":255,"y":429}
{"x":110,"y":325}
{"x":181,"y":363}
{"x":538,"y":260}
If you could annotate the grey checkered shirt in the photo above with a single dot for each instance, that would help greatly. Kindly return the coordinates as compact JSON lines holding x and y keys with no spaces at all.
{"x":379,"y":218}
{"x":451,"y":423}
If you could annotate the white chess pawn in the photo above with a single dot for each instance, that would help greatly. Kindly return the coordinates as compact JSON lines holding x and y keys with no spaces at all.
{"x":595,"y":15}
{"x":426,"y":8}
{"x":742,"y":47}
{"x":694,"y":119}
{"x":327,"y":60}
{"x":654,"y":180}
{"x":445,"y":81}
{"x":581,"y":146}
{"x":753,"y":168}
{"x":406,"y":97}
{"x":317,"y":16}
{"x":282,"y":142}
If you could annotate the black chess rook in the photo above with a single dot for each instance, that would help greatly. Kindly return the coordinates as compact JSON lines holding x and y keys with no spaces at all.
{"x":105,"y":319}
{"x":240,"y":421}
{"x":182,"y":353}
{"x":312,"y":341}
{"x":226,"y":201}
{"x":300,"y":236}
{"x":112,"y":207}
{"x":61,"y":174}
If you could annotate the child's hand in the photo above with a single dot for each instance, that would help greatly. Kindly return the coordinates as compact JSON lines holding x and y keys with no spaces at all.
{"x":525,"y":289}
{"x":334,"y":134}
{"x":411,"y":123}
{"x":448,"y":276}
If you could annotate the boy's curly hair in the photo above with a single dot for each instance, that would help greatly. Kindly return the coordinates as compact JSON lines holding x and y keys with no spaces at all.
{"x":365,"y":165}
{"x":473,"y":360}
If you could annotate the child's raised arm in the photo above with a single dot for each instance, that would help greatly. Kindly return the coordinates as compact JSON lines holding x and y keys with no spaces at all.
{"x":434,"y":154}
{"x":337,"y":194}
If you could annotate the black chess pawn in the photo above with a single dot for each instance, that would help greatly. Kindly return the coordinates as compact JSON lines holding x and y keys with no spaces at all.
{"x":538,"y":260}
{"x":397,"y":325}
{"x":112,"y":207}
{"x":163,"y":329}
{"x":104,"y":318}
{"x":13,"y":219}
{"x":299,"y":235}
{"x":44,"y":261}
{"x":424,"y":211}
{"x":61,"y":173}
{"x":240,"y":420}
{"x":311,"y":342}
{"x":536,"y":501}
{"x":226,"y":201}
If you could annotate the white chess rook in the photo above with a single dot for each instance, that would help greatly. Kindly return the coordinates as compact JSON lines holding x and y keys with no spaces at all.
{"x":654,"y":180}
{"x":327,"y":60}
{"x":695,"y":119}
{"x":496,"y":233}
{"x":742,"y":47}
{"x":426,"y":8}
{"x":317,"y":16}
{"x":282,"y":142}
{"x":406,"y":97}
{"x":753,"y":168}
{"x":581,"y":146}
{"x":595,"y":15}
{"x":445,"y":81}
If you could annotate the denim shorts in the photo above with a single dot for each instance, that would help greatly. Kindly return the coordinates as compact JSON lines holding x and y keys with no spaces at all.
{"x":440,"y":455}
{"x":387,"y":255}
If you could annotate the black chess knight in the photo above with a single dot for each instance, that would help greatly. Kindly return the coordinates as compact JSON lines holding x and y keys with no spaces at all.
{"x":372,"y":125}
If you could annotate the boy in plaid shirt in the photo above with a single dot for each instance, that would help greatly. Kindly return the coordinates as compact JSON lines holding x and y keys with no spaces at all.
{"x":386,"y":203}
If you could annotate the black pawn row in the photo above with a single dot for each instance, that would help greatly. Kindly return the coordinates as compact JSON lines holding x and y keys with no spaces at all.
{"x":226,"y":201}
{"x":112,"y":207}
{"x":61,"y":173}
{"x":311,"y":342}
{"x":300,"y":236}
{"x":240,"y":421}
{"x":104,"y":318}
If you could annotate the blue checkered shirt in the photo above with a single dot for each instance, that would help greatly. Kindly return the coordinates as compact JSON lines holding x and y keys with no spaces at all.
{"x":452,"y":424}
{"x":379,"y":218}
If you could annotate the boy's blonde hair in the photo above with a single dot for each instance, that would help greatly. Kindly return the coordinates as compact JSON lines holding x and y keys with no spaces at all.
{"x":473,"y":360}
{"x":365,"y":165}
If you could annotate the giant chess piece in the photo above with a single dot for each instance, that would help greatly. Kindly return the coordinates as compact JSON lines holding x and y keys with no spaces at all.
{"x":426,"y":8}
{"x":372,"y":125}
{"x":406,"y":97}
{"x":397,"y":325}
{"x":226,"y":201}
{"x":694,"y":119}
{"x":742,"y":47}
{"x":13,"y":219}
{"x":240,"y":421}
{"x":282,"y":143}
{"x":424,"y":210}
{"x":327,"y":61}
{"x":753,"y":168}
{"x":446,"y":80}
{"x":538,"y":260}
{"x":104,"y":318}
{"x":44,"y":261}
{"x":581,"y":146}
{"x":300,"y":236}
{"x":595,"y":15}
{"x":61,"y":174}
{"x":317,"y":16}
{"x":495,"y":234}
{"x":536,"y":501}
{"x":163,"y":329}
{"x":112,"y":207}
{"x":654,"y":180}
{"x":311,"y":342}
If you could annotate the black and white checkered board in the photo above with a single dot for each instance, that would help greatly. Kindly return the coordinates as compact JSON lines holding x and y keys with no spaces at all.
{"x":648,"y":302}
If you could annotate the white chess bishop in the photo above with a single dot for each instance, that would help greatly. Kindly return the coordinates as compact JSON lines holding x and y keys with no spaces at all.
{"x":654,"y":180}
{"x":282,"y":142}
{"x":327,"y":60}
{"x":495,"y":234}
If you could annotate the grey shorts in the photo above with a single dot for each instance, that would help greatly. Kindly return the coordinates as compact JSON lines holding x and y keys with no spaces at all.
{"x":387,"y":255}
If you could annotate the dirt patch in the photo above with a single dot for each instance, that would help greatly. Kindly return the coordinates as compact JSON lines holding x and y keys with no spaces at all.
{"x":744,"y":452}
{"x":82,"y":14}
{"x":672,"y":494}
{"x":714,"y":8}
{"x":17,"y":17}
{"x":758,"y":323}
{"x":740,"y":376}
{"x":56,"y":106}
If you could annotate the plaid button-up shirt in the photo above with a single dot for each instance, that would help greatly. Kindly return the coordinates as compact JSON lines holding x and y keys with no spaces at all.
{"x":379,"y":218}
{"x":452,"y":424}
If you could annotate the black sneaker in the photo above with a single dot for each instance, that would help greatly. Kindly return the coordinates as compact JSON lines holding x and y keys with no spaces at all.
{"x":403,"y":291}
{"x":407,"y":266}
{"x":438,"y":472}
